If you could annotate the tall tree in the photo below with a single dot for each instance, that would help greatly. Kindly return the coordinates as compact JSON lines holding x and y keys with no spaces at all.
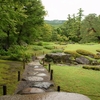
{"x":90,"y":28}
{"x":9,"y":16}
{"x":28,"y":31}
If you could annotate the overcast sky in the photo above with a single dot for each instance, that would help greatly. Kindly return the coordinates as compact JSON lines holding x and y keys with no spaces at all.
{"x":59,"y":9}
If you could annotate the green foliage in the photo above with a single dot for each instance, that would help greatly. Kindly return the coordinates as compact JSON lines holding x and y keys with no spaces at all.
{"x":40,"y":44}
{"x":20,"y":21}
{"x":18,"y":53}
{"x":36,"y":48}
{"x":85,"y":52}
{"x":3,"y":52}
{"x":97,"y":56}
{"x":92,"y":67}
{"x":49,"y":47}
{"x":98,"y":50}
{"x":57,"y":51}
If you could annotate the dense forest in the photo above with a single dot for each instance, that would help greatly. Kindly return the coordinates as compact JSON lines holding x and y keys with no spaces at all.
{"x":22,"y":23}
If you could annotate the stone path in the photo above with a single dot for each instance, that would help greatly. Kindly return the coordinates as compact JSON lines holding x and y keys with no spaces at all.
{"x":36,"y":79}
{"x":36,"y":85}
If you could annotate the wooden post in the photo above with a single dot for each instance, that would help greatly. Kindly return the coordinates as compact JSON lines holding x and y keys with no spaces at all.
{"x":49,"y":67}
{"x":23,"y":64}
{"x":4,"y":90}
{"x":58,"y":88}
{"x":18,"y":75}
{"x":51,"y":75}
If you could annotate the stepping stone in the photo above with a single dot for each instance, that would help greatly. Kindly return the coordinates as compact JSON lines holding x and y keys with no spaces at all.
{"x":34,"y":78}
{"x":41,"y":74}
{"x":32,"y":90}
{"x":36,"y":66}
{"x":45,"y":85}
{"x":40,"y":69}
{"x":47,"y":96}
{"x":33,"y":73}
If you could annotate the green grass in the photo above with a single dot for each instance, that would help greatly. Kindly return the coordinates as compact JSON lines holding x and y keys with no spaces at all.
{"x":9,"y":75}
{"x":77,"y":80}
{"x":91,"y":47}
{"x":70,"y":47}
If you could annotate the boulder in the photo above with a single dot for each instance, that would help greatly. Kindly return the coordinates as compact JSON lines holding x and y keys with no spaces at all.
{"x":57,"y":57}
{"x":82,"y":60}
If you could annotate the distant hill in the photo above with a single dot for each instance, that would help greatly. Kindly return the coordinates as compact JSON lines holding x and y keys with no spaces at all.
{"x":55,"y":23}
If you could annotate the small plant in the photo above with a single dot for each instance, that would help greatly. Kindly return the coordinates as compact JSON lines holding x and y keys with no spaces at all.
{"x":36,"y":48}
{"x":49,"y":47}
{"x":98,"y":50}
{"x":92,"y":67}
{"x":40,"y":43}
{"x":57,"y":51}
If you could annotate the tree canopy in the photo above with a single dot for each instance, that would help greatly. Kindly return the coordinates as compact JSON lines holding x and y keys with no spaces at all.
{"x":19,"y":21}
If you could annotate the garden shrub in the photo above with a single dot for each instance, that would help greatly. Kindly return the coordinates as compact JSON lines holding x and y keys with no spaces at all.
{"x":92,"y":67}
{"x":98,"y":50}
{"x":49,"y":47}
{"x":17,"y":52}
{"x":97,"y":56}
{"x":36,"y":48}
{"x":73,"y":53}
{"x":40,"y":43}
{"x":85,"y":52}
{"x":57,"y":51}
{"x":3,"y":52}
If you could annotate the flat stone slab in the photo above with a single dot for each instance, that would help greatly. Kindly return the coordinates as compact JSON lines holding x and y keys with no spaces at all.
{"x":44,"y":85}
{"x":32,"y":73}
{"x":41,"y":74}
{"x":34,"y":78}
{"x":32,"y":90}
{"x":36,"y":66}
{"x":39,"y":69}
{"x":47,"y":96}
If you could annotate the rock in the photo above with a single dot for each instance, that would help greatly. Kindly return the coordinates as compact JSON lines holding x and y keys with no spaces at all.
{"x":45,"y":85}
{"x":82,"y":60}
{"x":32,"y":73}
{"x":57,"y":57}
{"x":36,"y":66}
{"x":41,"y":74}
{"x":32,"y":90}
{"x":39,"y":69}
{"x":33,"y":78}
{"x":47,"y":96}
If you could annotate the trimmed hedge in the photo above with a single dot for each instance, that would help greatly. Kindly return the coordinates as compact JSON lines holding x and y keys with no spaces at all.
{"x":92,"y":67}
{"x":36,"y":48}
{"x":49,"y":47}
{"x":98,"y":50}
{"x":73,"y":53}
{"x":57,"y":51}
{"x":85,"y":52}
